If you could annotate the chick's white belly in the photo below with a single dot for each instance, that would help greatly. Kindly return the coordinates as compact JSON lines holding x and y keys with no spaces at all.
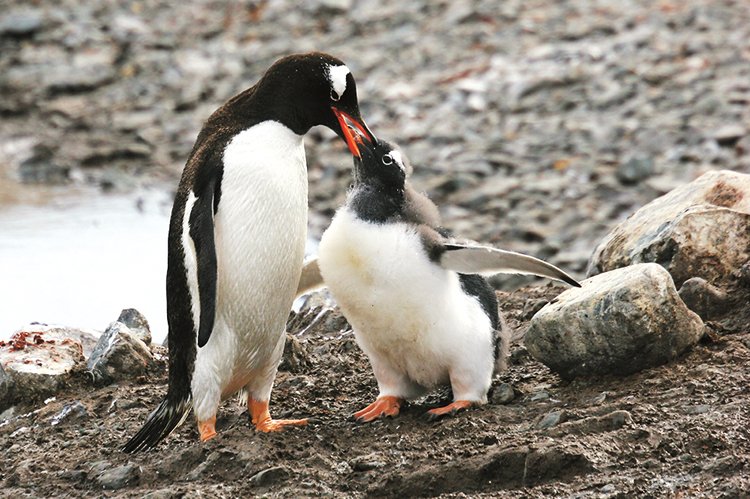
{"x":408,"y":314}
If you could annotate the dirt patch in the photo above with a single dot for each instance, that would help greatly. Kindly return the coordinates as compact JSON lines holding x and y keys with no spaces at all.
{"x":680,"y":429}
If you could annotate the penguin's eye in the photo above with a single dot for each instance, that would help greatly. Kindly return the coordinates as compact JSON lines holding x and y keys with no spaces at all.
{"x":335,"y":96}
{"x":387,"y":160}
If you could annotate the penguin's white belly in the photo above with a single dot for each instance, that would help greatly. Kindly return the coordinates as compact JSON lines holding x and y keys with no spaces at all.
{"x":409,"y":315}
{"x":260,"y":229}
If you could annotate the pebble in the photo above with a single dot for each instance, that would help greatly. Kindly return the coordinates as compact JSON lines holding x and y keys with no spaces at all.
{"x":21,"y":22}
{"x":635,"y":169}
{"x":269,"y":476}
{"x":137,"y":324}
{"x":504,"y":393}
{"x":550,"y":419}
{"x":119,"y":354}
{"x":703,"y":298}
{"x":119,"y":477}
{"x":72,"y":411}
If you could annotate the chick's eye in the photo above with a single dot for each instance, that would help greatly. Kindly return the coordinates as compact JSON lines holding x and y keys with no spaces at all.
{"x":334,"y":95}
{"x":387,"y":159}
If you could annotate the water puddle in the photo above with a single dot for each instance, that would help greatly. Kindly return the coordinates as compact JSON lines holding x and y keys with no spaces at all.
{"x":77,"y":259}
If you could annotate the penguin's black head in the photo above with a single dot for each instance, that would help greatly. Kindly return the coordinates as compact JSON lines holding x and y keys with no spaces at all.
{"x":316,"y":89}
{"x":382,"y":164}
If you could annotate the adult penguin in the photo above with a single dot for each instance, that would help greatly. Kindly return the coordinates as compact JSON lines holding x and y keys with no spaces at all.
{"x":236,"y":241}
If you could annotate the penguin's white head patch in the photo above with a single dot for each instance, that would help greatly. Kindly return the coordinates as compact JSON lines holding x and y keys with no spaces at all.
{"x":337,"y":77}
{"x":397,"y":158}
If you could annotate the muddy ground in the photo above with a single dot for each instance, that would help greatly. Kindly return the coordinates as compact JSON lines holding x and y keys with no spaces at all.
{"x":680,"y":430}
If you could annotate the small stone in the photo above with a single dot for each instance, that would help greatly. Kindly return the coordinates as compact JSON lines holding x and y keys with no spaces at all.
{"x":550,"y":419}
{"x":8,"y":413}
{"x":119,"y":354}
{"x":539,"y":396}
{"x":367,"y":462}
{"x":502,"y":394}
{"x":72,"y":411}
{"x":342,"y":468}
{"x":490,"y":440}
{"x":635,"y":169}
{"x":41,"y":167}
{"x":21,"y":22}
{"x":729,"y":135}
{"x":332,"y":6}
{"x":269,"y":476}
{"x":697,"y":409}
{"x":704,"y":299}
{"x":599,"y":399}
{"x":619,"y":322}
{"x":119,"y":477}
{"x":137,"y":324}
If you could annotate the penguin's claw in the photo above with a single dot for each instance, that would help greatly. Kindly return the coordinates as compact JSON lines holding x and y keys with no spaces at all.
{"x":261,"y":418}
{"x":448,"y":410}
{"x":207,"y":429}
{"x":387,"y":405}
{"x":271,"y":425}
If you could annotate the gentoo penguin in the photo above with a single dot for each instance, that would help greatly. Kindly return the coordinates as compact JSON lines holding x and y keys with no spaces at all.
{"x":236,"y":241}
{"x":413,"y":296}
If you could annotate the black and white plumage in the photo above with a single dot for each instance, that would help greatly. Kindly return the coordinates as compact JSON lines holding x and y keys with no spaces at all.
{"x":419,"y":309}
{"x":237,"y":237}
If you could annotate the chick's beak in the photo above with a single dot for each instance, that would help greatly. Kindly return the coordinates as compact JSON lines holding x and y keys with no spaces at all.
{"x":354,"y":130}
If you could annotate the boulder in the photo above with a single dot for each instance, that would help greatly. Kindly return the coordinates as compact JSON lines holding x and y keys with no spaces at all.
{"x":618,"y":323}
{"x":118,"y":355}
{"x":701,"y":229}
{"x":34,"y":365}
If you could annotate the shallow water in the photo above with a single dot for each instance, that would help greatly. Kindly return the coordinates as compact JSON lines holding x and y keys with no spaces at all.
{"x":78,"y":258}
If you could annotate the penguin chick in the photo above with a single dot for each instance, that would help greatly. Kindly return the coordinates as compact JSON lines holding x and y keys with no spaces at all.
{"x":419,"y":309}
{"x":236,"y":241}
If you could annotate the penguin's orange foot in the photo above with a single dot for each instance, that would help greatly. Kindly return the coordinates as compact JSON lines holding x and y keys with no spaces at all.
{"x":387,"y":405}
{"x":270,"y":425}
{"x":448,"y":410}
{"x":207,"y":429}
{"x":261,"y":418}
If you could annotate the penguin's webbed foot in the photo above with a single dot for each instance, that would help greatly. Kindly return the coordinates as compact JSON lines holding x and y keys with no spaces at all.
{"x":262,"y":420}
{"x":448,"y":410}
{"x":207,"y":429}
{"x":387,"y":405}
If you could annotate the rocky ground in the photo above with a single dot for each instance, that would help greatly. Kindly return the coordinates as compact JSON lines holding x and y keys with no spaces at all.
{"x":535,"y":125}
{"x":679,"y":430}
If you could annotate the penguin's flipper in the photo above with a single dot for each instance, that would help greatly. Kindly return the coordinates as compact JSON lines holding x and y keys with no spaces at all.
{"x":311,"y":279}
{"x":201,"y":224}
{"x":469,"y":259}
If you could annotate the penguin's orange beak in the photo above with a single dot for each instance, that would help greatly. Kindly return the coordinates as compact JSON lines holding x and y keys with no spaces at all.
{"x":354,"y":130}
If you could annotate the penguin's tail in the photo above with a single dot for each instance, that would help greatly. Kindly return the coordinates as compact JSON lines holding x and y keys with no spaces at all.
{"x":168,"y":415}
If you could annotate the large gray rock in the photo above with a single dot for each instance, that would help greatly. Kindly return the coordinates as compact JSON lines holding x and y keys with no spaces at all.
{"x":34,"y":365}
{"x":618,"y":323}
{"x":119,"y":355}
{"x":701,"y":229}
